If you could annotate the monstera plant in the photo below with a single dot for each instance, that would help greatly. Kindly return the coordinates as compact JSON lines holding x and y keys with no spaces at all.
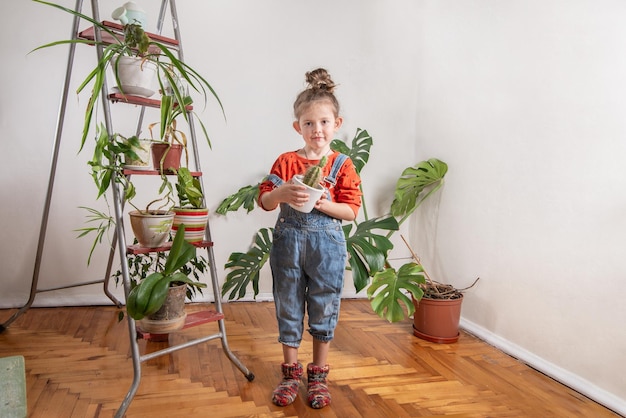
{"x":368,"y":241}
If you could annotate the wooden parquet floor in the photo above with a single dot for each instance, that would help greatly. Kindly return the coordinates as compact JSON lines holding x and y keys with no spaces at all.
{"x":78,"y":365}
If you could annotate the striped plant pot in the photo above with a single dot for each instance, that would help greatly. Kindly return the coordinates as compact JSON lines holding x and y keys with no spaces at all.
{"x":195,"y":221}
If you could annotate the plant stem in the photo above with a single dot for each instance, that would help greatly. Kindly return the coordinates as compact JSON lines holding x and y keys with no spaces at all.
{"x":419,"y":263}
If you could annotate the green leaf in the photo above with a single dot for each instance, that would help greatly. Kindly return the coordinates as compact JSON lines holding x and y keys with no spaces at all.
{"x":182,"y":278}
{"x":246,"y":196}
{"x":413,"y":186}
{"x":180,"y":252}
{"x":388,"y":291}
{"x":189,"y":189}
{"x":247,"y":266}
{"x":360,"y":151}
{"x":368,"y":250}
{"x":104,"y":223}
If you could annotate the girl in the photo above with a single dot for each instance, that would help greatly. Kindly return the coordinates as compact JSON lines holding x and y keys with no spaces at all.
{"x":309,"y":249}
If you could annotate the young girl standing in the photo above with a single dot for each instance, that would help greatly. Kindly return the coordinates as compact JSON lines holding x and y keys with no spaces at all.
{"x":308,"y":253}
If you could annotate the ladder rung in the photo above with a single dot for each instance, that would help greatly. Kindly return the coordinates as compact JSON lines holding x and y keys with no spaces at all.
{"x":151,"y":172}
{"x":138,"y":249}
{"x":138,"y":100}
{"x":89,"y":34}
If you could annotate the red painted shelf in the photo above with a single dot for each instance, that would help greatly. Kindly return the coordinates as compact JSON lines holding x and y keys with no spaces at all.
{"x":138,"y":249}
{"x":128,"y":171}
{"x":89,"y":34}
{"x":192,"y":320}
{"x":138,"y":100}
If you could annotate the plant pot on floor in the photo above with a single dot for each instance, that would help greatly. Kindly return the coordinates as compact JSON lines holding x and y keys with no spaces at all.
{"x":437,"y":320}
{"x":166,"y":155}
{"x":152,"y":228}
{"x":171,"y":316}
{"x":195,"y":221}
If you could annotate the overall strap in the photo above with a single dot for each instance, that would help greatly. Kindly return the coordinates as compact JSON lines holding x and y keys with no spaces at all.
{"x":277,"y":181}
{"x":331,"y":179}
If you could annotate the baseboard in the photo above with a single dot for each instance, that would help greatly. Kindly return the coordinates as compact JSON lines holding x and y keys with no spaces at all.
{"x":559,"y":374}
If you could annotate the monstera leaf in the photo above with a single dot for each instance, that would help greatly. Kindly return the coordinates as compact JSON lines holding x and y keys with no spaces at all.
{"x":387,"y":295}
{"x":368,"y":250}
{"x":414,"y":186}
{"x":246,"y":266}
{"x":246,"y":197}
{"x":360,"y":151}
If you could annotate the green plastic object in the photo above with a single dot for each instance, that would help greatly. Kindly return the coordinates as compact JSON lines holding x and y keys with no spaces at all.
{"x":12,"y":387}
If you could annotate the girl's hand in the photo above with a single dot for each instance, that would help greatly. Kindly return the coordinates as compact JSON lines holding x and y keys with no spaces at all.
{"x":336,"y":210}
{"x":285,"y":193}
{"x":322,"y":202}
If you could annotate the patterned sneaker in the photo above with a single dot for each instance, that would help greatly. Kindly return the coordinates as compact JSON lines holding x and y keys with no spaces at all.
{"x":286,"y":392}
{"x":319,"y":396}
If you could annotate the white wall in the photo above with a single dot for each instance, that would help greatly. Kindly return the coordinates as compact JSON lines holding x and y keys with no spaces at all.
{"x":523,"y":99}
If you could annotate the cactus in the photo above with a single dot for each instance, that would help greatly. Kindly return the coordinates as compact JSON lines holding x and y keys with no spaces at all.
{"x":313,"y":175}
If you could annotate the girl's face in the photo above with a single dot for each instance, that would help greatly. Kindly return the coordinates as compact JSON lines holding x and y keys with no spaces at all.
{"x":317,"y":125}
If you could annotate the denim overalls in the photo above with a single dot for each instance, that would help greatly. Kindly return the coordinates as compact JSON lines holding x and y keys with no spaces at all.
{"x":308,"y":259}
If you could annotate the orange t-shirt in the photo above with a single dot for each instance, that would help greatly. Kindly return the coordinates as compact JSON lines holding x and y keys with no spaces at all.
{"x":346,"y":190}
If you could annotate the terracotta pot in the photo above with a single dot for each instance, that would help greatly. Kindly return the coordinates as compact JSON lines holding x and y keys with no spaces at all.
{"x":195,"y":221}
{"x":169,"y":154}
{"x":151,"y":229}
{"x":437,"y":320}
{"x":171,"y":316}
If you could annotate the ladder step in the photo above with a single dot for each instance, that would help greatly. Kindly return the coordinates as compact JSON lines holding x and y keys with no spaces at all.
{"x":138,"y":249}
{"x":88,"y":34}
{"x":138,"y":100}
{"x":192,"y":320}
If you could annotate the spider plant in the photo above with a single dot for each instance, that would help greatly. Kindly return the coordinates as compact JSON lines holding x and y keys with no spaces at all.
{"x":133,"y":41}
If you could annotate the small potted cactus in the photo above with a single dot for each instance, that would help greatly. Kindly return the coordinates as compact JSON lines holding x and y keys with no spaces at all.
{"x":311,"y":179}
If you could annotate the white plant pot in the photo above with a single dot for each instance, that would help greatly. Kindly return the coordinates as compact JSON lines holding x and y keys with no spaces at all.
{"x":151,"y":229}
{"x":144,"y":153}
{"x":136,"y":76}
{"x":314,"y":195}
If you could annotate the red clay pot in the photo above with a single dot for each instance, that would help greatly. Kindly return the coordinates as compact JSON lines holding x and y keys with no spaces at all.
{"x":171,"y":154}
{"x":437,"y":320}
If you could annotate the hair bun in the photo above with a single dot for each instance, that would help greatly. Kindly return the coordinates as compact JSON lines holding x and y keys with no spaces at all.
{"x":320,"y":80}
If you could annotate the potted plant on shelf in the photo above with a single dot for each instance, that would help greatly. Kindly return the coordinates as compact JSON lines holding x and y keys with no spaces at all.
{"x":390,"y":291}
{"x":136,"y":43}
{"x":111,"y":155}
{"x":191,"y":210}
{"x":158,"y":289}
{"x":150,"y":226}
{"x":167,"y":150}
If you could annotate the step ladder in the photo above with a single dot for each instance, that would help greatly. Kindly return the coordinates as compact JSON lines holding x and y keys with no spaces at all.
{"x":119,"y":237}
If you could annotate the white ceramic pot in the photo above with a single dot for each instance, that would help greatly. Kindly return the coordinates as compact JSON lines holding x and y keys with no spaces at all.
{"x":151,"y":229}
{"x":143,"y":151}
{"x":136,"y":76}
{"x":314,"y":195}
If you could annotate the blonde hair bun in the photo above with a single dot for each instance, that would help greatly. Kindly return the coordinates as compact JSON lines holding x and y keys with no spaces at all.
{"x":320,"y":79}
